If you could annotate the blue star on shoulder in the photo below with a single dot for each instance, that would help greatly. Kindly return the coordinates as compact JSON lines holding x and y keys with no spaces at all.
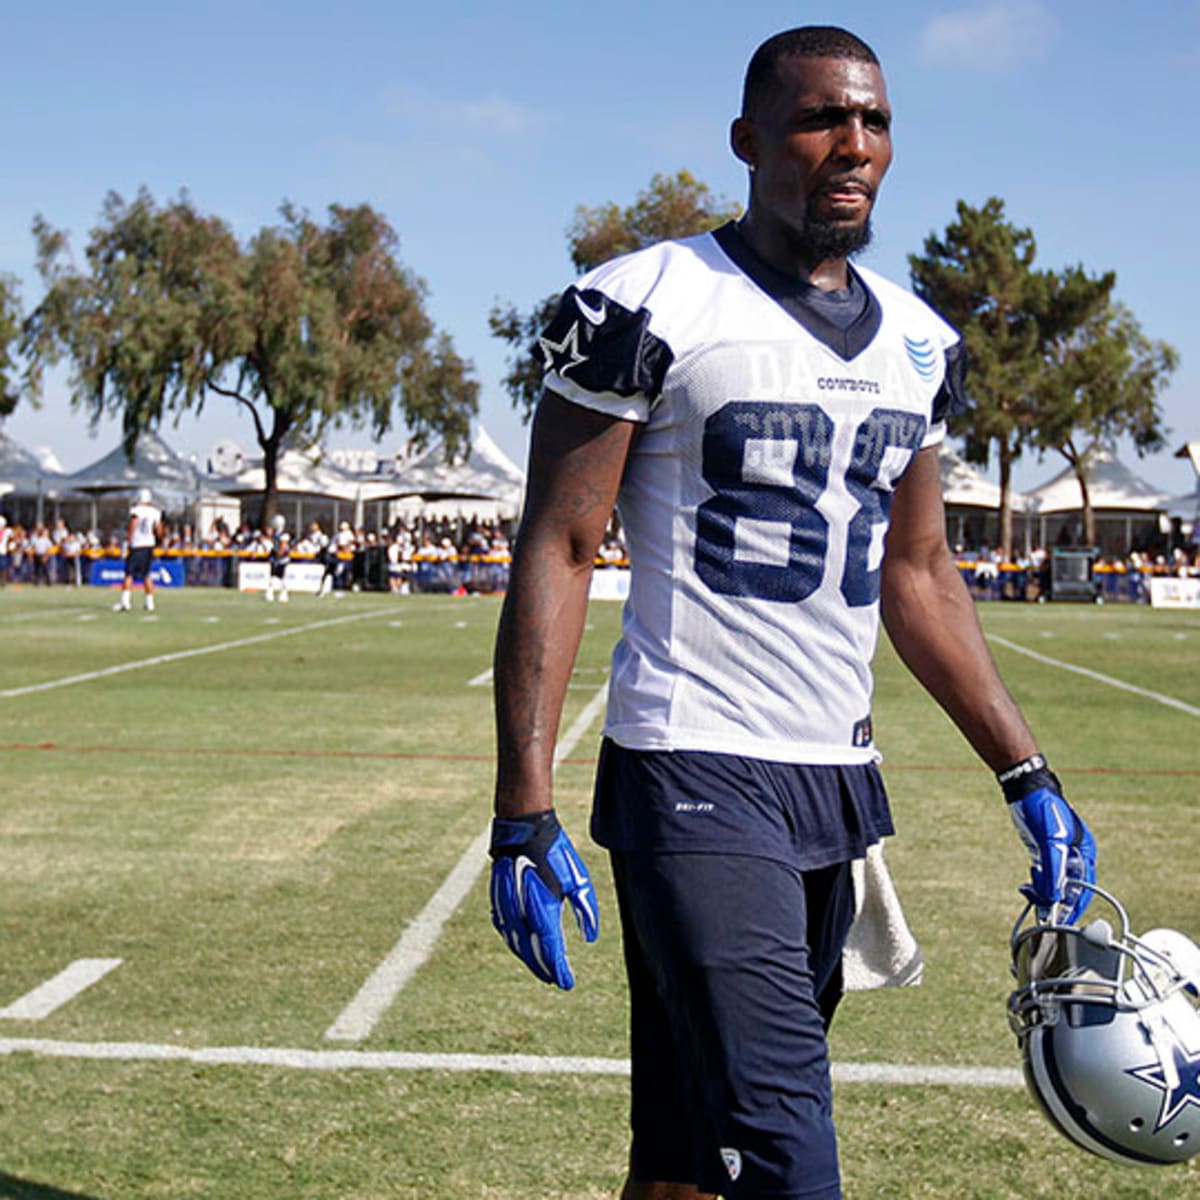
{"x":1180,"y":1087}
{"x":562,"y":356}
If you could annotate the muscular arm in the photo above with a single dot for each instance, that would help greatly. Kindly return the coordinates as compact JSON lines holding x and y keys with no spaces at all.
{"x":931,"y":621}
{"x":577,"y":457}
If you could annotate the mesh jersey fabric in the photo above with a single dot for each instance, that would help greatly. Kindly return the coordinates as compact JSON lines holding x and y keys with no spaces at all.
{"x":756,"y":497}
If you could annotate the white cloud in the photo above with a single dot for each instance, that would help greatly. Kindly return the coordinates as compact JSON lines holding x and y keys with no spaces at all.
{"x":994,"y":37}
{"x":490,"y":116}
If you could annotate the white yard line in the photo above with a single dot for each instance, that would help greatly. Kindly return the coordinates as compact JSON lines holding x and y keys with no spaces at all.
{"x":38,"y":614}
{"x":902,"y":1075}
{"x":180,"y":655}
{"x":483,"y":679}
{"x":1145,"y":693}
{"x":417,"y":942}
{"x":54,"y":993}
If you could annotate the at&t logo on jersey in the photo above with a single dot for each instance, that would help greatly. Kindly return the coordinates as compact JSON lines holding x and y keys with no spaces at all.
{"x":924,"y":357}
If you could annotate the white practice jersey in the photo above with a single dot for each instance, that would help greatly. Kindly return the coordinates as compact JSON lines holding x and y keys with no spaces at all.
{"x":756,"y":498}
{"x":146,"y":519}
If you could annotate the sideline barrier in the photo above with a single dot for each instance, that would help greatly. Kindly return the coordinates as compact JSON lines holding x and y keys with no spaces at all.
{"x":1118,"y":584}
{"x":1175,"y":593}
{"x":369,"y":570}
{"x":110,"y":572}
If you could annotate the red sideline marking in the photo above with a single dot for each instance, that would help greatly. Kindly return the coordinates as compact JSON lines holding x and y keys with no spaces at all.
{"x":403,"y":756}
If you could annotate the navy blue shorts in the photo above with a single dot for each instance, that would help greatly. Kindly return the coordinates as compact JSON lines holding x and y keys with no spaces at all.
{"x":801,"y":814}
{"x":138,"y":563}
{"x":735,"y":894}
{"x":734,"y":967}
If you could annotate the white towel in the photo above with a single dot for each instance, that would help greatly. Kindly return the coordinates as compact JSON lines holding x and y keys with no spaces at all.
{"x":880,"y":950}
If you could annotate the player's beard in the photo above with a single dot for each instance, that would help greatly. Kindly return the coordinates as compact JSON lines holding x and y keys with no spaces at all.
{"x":824,"y":241}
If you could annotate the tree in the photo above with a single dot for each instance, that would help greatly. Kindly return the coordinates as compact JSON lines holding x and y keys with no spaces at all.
{"x":10,"y":331}
{"x":1102,"y":380}
{"x":671,"y":206}
{"x":980,"y":276}
{"x":305,"y":327}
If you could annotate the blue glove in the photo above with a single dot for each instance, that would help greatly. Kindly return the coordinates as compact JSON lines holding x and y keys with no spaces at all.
{"x":534,"y":866}
{"x":1059,"y":843}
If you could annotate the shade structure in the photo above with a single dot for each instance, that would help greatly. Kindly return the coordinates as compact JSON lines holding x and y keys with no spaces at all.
{"x":1111,"y":485}
{"x":175,"y":482}
{"x":21,"y":474}
{"x":308,"y":485}
{"x":485,"y":473}
{"x":1186,"y":505}
{"x":1129,"y":513}
{"x":298,"y":472}
{"x":963,"y":484}
{"x":972,"y":503}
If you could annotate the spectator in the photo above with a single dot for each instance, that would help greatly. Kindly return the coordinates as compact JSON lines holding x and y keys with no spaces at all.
{"x":42,"y":547}
{"x":71,"y":550}
{"x":6,"y":541}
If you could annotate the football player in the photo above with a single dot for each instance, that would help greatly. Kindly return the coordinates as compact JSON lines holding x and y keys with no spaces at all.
{"x":766,"y":415}
{"x":144,"y":533}
{"x":279,"y":557}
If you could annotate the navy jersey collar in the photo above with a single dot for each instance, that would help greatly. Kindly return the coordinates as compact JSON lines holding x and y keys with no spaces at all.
{"x":795,"y":298}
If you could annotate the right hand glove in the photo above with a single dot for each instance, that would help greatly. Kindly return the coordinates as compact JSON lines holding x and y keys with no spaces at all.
{"x":534,"y":867}
{"x":1060,"y":845}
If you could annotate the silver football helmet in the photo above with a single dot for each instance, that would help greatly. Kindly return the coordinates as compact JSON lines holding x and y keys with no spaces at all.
{"x":1110,"y":1033}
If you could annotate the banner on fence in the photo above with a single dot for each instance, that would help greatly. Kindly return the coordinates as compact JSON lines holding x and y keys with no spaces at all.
{"x":1167,"y":592}
{"x":609,"y":583}
{"x":110,"y":572}
{"x":299,"y":576}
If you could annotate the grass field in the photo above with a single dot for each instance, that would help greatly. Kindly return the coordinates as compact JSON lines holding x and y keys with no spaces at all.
{"x":253,"y":807}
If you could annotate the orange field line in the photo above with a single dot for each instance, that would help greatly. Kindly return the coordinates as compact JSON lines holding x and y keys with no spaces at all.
{"x":404,"y":756}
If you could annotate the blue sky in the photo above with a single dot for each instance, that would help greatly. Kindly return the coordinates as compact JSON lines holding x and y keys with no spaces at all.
{"x":477,"y":128}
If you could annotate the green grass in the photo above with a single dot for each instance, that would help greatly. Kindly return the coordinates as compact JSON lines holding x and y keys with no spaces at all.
{"x":250,"y":830}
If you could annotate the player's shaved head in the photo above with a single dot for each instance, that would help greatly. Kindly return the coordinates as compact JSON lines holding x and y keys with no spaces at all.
{"x":808,"y":41}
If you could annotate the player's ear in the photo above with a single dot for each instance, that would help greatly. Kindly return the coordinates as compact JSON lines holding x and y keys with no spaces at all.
{"x":743,"y":140}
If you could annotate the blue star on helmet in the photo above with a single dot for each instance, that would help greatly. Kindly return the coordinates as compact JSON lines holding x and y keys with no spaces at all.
{"x":562,"y":356}
{"x":1179,"y":1082}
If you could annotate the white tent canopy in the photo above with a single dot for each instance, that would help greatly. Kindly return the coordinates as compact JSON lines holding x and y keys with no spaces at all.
{"x":963,"y":484}
{"x":304,"y":473}
{"x":487,"y":473}
{"x":1185,"y":506}
{"x":1111,"y":485}
{"x":1191,"y":451}
{"x":154,"y":465}
{"x":22,"y":474}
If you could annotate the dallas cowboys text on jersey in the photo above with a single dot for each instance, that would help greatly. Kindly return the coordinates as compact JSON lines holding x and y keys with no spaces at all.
{"x":757,"y":495}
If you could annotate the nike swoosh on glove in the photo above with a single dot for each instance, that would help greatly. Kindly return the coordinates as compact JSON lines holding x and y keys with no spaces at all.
{"x":1060,"y":845}
{"x":534,"y":868}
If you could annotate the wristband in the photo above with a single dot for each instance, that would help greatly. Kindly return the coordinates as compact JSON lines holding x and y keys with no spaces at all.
{"x":1027,"y":776}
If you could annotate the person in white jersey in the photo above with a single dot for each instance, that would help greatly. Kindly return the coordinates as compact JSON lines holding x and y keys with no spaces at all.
{"x":143,"y":535}
{"x":766,"y":416}
{"x":278,"y":559}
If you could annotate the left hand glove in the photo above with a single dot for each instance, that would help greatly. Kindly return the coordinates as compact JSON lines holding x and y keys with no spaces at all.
{"x":534,"y":867}
{"x":1060,"y":845}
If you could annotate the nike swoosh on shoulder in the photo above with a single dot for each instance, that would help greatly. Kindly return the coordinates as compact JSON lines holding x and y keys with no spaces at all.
{"x":594,"y":316}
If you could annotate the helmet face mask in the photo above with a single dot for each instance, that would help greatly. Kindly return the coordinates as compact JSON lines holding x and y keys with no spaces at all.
{"x":1110,"y":1034}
